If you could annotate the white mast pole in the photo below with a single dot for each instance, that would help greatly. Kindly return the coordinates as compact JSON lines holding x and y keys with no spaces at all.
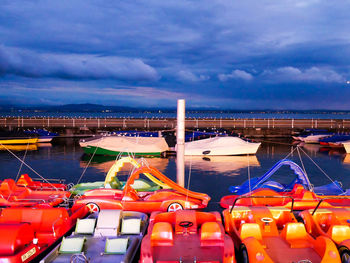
{"x":180,"y":141}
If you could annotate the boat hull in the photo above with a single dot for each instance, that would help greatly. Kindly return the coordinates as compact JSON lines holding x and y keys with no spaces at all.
{"x":19,"y":141}
{"x":103,"y":151}
{"x":221,"y":146}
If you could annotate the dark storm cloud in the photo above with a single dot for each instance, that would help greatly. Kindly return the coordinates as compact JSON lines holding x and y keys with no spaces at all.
{"x":31,"y":64}
{"x":228,"y":53}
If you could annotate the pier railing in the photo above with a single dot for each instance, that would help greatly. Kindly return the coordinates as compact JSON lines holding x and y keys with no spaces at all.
{"x":170,"y":123}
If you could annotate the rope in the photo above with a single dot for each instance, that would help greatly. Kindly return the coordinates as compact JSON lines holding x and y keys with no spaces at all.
{"x":250,"y":187}
{"x":19,"y":171}
{"x":81,"y":176}
{"x":28,"y":166}
{"x":322,"y":170}
{"x":189,"y":179}
{"x":20,"y":168}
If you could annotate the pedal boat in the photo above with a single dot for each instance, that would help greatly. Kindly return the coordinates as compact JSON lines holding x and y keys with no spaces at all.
{"x":107,"y":236}
{"x":39,"y":184}
{"x":172,"y":199}
{"x":186,"y":236}
{"x":272,"y":234}
{"x":333,"y":223}
{"x":12,"y":194}
{"x":25,"y":233}
{"x":299,"y":197}
{"x":334,"y":188}
{"x":111,"y":180}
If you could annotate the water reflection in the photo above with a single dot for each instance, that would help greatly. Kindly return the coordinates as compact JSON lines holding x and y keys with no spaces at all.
{"x":227,"y":165}
{"x":104,"y":163}
{"x":19,"y":147}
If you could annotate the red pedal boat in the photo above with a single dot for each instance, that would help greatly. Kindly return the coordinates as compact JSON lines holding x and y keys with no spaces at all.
{"x":186,"y":236}
{"x":272,"y":234}
{"x":333,"y":223}
{"x":27,"y":181}
{"x":28,"y":231}
{"x":299,"y":198}
{"x":172,"y":199}
{"x":12,"y":194}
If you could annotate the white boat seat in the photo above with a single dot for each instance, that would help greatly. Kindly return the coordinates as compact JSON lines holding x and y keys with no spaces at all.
{"x":116,"y":245}
{"x":85,"y":226}
{"x":72,"y":245}
{"x":108,"y":223}
{"x":131,"y":226}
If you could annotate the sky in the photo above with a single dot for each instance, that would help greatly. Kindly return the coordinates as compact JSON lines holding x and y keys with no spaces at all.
{"x":251,"y":54}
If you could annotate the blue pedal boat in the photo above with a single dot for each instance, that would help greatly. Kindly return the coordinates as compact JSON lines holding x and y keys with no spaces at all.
{"x":334,"y":188}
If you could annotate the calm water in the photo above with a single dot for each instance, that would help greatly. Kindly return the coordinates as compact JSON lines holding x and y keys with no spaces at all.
{"x":65,"y":159}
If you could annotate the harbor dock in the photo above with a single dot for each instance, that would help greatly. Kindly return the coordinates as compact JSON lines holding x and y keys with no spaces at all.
{"x":249,"y":127}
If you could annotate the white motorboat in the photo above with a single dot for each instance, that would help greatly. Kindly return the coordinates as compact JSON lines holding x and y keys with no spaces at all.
{"x":347,"y":146}
{"x":221,"y":146}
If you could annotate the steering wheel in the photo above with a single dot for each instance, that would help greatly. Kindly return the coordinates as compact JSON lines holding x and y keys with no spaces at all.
{"x":186,"y":224}
{"x":266,"y":220}
{"x":78,"y":258}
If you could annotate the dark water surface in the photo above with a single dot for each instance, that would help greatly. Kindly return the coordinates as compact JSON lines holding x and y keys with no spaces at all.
{"x":212,"y":175}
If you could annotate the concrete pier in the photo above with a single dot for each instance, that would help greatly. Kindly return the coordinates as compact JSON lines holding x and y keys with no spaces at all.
{"x":253,"y":127}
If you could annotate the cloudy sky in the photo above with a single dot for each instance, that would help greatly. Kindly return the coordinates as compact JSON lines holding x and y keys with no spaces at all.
{"x":251,"y":54}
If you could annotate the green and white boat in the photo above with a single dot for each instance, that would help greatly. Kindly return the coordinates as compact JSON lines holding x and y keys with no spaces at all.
{"x":123,"y":145}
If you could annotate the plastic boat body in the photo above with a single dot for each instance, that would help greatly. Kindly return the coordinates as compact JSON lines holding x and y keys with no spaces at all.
{"x":221,"y":146}
{"x":333,"y":223}
{"x":123,"y":145}
{"x":263,"y":181}
{"x":186,"y":236}
{"x":272,"y":234}
{"x":27,"y":232}
{"x":174,"y":198}
{"x":107,"y":236}
{"x":27,"y":181}
{"x":17,"y":195}
{"x":299,"y":197}
{"x":111,"y":180}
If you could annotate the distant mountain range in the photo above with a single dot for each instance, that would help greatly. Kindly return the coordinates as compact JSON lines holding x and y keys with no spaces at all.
{"x":87,"y":107}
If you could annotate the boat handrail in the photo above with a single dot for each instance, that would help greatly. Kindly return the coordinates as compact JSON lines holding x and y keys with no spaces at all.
{"x":328,"y":198}
{"x":261,"y":196}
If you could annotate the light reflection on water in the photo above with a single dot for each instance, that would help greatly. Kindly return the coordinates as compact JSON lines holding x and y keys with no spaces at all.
{"x":211,"y":175}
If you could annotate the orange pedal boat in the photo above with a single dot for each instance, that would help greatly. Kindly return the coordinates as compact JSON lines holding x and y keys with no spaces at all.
{"x":171,"y":199}
{"x":272,"y":234}
{"x":186,"y":236}
{"x":12,"y":194}
{"x":333,"y":223}
{"x":26,"y":232}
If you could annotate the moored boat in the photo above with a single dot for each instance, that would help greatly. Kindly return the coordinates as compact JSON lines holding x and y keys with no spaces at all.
{"x":43,"y":135}
{"x":111,"y":180}
{"x":174,"y":198}
{"x":107,"y":236}
{"x":225,"y":145}
{"x":347,"y":146}
{"x":186,"y":236}
{"x":123,"y":145}
{"x":19,"y":195}
{"x":25,"y":233}
{"x":300,"y":177}
{"x":272,"y":234}
{"x":333,"y":223}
